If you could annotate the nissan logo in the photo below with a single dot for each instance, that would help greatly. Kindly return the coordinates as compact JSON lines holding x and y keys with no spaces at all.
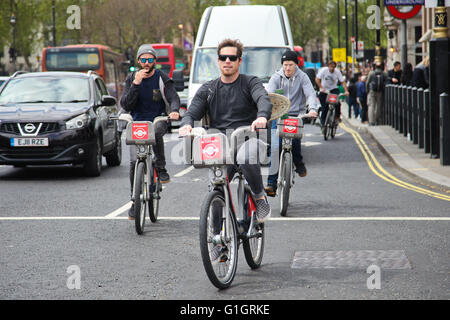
{"x":29,"y":127}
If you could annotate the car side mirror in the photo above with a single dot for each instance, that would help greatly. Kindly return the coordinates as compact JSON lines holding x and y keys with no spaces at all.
{"x":178,"y":79}
{"x":108,"y":101}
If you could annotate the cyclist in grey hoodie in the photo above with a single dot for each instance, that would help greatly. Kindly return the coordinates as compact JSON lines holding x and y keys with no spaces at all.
{"x":294,"y":84}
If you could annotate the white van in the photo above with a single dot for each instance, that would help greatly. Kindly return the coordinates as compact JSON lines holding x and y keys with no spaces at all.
{"x":264,"y":31}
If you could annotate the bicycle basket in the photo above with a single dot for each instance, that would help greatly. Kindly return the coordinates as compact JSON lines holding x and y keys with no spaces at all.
{"x":209,"y":150}
{"x":332,"y":99}
{"x":280,"y":105}
{"x":290,"y":128}
{"x":140,"y":132}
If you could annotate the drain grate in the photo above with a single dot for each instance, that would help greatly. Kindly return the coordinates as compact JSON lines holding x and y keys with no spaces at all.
{"x":353,"y":259}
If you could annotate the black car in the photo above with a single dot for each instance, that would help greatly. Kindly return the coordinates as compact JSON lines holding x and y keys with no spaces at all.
{"x":58,"y":118}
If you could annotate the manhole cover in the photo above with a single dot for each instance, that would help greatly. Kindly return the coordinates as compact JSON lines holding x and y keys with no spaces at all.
{"x":353,"y":259}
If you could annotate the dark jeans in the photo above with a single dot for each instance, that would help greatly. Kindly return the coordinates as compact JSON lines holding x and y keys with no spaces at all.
{"x":297,"y":157}
{"x":323,"y":102}
{"x":160,"y":159}
{"x":352,"y":103}
{"x":364,"y":116}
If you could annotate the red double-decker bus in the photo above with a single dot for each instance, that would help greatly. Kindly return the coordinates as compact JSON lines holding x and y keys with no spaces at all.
{"x":169,"y":57}
{"x":84,"y":57}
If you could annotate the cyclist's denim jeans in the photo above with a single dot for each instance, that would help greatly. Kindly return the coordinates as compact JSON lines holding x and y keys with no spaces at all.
{"x":297,"y":157}
{"x":160,"y":131}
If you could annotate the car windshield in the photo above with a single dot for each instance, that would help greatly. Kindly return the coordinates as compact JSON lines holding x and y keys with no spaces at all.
{"x":260,"y":62}
{"x":45,"y":90}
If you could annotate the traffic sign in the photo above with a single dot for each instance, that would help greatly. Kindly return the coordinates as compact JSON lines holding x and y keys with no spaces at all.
{"x":339,"y":54}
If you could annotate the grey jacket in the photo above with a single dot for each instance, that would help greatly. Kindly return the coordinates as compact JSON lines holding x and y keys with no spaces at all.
{"x":298,"y":89}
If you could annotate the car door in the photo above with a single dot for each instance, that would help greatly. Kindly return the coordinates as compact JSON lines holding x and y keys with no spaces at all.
{"x":104,"y":113}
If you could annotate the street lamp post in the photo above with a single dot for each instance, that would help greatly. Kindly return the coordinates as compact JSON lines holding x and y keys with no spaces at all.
{"x":378,"y":57}
{"x":181,"y":27}
{"x":54,"y":23}
{"x":439,"y":69}
{"x":12,"y":51}
{"x":339,"y":23}
{"x":346,"y":39}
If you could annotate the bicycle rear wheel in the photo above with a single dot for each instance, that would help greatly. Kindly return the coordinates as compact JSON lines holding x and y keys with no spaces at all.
{"x":140,"y":197}
{"x":219,"y":249}
{"x":285,"y":181}
{"x":155,"y":195}
{"x":254,"y":244}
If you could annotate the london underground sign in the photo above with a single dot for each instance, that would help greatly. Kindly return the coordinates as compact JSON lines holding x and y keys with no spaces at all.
{"x":415,"y":6}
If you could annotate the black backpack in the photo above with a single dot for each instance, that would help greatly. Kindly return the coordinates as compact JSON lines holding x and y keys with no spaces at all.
{"x":377,"y":82}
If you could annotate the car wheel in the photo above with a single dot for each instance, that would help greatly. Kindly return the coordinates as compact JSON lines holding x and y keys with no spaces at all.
{"x":93,"y":166}
{"x":114,"y":157}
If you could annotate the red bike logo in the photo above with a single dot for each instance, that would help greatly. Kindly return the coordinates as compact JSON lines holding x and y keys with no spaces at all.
{"x":210,"y":148}
{"x":290,"y":125}
{"x":332,"y":98}
{"x":139,"y":131}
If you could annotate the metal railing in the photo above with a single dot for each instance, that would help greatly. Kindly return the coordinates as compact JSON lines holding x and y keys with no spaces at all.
{"x":407,"y":110}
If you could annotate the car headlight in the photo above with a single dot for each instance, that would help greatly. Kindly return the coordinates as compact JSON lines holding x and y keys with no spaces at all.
{"x":78,"y":122}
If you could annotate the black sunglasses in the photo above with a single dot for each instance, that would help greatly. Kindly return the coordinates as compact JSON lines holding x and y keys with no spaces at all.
{"x":150,"y":60}
{"x":223,"y":57}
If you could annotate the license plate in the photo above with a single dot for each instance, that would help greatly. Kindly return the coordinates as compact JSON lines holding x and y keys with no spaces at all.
{"x":29,"y":142}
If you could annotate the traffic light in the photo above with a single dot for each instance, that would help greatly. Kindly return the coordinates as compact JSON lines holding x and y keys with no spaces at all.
{"x":131,"y":68}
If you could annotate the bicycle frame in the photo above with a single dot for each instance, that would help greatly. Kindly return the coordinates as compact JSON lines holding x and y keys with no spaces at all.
{"x":221,"y":182}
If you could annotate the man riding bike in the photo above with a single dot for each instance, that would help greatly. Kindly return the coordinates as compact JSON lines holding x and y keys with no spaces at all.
{"x":231,"y":101}
{"x":149,"y":93}
{"x":327,"y":79}
{"x":294,"y":84}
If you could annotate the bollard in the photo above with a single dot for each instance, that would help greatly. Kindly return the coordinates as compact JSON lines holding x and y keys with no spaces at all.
{"x":426,"y":116}
{"x":444,"y":124}
{"x":391,"y":100}
{"x":405,"y":110}
{"x":409,"y":112}
{"x":387,"y":105}
{"x":420,"y":116}
{"x":414,"y":113}
{"x":400,"y":109}
{"x":397,"y":108}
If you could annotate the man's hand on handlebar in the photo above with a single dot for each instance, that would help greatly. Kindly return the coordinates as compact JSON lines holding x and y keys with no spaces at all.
{"x":185,"y":130}
{"x":174,"y":116}
{"x":312,"y":114}
{"x":259,"y":123}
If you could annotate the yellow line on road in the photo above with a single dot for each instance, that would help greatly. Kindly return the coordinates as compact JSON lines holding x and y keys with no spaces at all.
{"x":378,"y":170}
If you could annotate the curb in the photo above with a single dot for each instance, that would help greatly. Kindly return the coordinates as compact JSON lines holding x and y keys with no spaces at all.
{"x":402,"y":160}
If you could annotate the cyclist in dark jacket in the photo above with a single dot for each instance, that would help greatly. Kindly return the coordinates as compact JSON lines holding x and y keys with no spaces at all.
{"x":231,"y":101}
{"x":150,"y":93}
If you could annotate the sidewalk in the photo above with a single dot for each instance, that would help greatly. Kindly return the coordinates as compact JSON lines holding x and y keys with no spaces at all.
{"x":402,"y":152}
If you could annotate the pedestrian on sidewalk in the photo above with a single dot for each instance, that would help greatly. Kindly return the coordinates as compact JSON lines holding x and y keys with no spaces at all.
{"x":351,"y":101}
{"x":407,"y":75}
{"x":361,"y":97}
{"x":394,"y":75}
{"x":421,"y":74}
{"x":375,"y":88}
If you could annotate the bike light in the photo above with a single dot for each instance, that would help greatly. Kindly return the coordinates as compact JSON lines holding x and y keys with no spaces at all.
{"x":80,"y":151}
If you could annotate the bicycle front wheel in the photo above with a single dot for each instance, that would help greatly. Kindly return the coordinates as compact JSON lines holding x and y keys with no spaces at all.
{"x":285,"y":181}
{"x":140,"y":197}
{"x":155,"y":196}
{"x":218,"y":240}
{"x":253,"y":245}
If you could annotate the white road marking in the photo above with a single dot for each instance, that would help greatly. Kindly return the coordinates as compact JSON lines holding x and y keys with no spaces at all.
{"x":185,"y":171}
{"x":117,"y":212}
{"x":284,"y":219}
